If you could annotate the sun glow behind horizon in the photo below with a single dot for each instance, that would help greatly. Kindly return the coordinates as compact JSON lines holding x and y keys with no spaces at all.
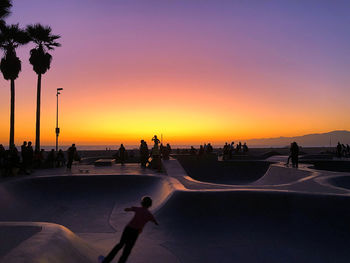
{"x":195,"y":72}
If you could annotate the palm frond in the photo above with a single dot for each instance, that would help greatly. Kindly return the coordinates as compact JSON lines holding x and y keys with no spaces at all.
{"x":41,"y":35}
{"x":5,"y":6}
{"x":12,"y":36}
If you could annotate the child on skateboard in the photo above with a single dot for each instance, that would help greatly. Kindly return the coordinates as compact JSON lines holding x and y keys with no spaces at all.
{"x":132,"y":230}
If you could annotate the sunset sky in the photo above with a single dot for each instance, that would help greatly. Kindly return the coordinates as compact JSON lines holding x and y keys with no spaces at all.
{"x":192,"y":70}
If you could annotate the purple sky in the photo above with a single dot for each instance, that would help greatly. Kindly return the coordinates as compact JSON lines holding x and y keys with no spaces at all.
{"x":262,"y":64}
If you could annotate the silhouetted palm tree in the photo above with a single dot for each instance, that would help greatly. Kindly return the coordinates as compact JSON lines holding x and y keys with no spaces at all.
{"x":5,"y":6}
{"x":11,"y":37}
{"x":41,"y":60}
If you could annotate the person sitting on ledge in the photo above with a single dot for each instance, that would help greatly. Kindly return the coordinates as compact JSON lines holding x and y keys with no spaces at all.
{"x":132,"y":230}
{"x":193,"y":151}
{"x":209,"y":148}
{"x":165,"y":151}
{"x":201,"y":151}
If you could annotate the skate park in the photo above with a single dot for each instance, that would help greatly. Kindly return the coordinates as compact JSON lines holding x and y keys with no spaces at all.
{"x":283,"y":214}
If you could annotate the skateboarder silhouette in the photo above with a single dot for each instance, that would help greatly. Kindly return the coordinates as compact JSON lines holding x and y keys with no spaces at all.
{"x":131,"y":231}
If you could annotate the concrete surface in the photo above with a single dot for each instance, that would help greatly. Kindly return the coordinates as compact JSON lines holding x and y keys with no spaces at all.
{"x":286,"y":215}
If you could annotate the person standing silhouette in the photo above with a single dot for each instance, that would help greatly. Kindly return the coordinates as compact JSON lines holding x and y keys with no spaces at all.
{"x":295,"y":154}
{"x":144,"y":153}
{"x":71,"y":154}
{"x":122,"y":154}
{"x":290,"y":154}
{"x":24,"y":156}
{"x":30,"y":156}
{"x":155,"y":140}
{"x":339,"y":150}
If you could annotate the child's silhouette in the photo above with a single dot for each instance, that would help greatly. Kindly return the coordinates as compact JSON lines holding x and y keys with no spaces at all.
{"x":132,"y":230}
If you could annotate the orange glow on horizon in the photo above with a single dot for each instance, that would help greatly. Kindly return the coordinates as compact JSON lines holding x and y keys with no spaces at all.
{"x":194,"y":72}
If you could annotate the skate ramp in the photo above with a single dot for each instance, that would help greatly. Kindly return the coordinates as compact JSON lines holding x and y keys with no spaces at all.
{"x":340,"y":181}
{"x":52,"y":244}
{"x":332,"y":165}
{"x":13,"y":235}
{"x":252,"y":226}
{"x":229,"y":225}
{"x":280,"y":175}
{"x":223,"y":172}
{"x":80,"y":203}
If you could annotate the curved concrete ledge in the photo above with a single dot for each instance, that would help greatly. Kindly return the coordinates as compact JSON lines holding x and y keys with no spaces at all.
{"x":235,"y":172}
{"x":340,"y":181}
{"x":256,"y":226}
{"x":12,"y":236}
{"x":53,"y":244}
{"x":281,"y":175}
{"x":335,"y":180}
{"x":160,"y":191}
{"x":283,"y":217}
{"x":278,"y":178}
{"x":86,"y":203}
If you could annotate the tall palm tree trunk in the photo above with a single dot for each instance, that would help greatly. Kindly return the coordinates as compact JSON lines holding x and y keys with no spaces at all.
{"x":12,"y":116}
{"x":38,"y":99}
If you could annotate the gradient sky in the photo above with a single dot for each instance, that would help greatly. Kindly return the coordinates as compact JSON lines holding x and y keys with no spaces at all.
{"x":194,"y":70}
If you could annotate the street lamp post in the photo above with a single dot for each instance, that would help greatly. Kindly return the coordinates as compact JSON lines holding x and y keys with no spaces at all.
{"x":57,"y":129}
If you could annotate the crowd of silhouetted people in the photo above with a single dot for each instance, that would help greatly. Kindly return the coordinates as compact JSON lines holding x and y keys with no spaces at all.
{"x":230,"y":149}
{"x":152,"y":158}
{"x":203,"y":150}
{"x":342,"y":150}
{"x":149,"y":158}
{"x":9,"y":161}
{"x":13,"y":162}
{"x":27,"y":160}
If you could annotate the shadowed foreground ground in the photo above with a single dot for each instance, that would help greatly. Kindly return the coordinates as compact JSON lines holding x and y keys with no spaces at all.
{"x":208,"y":223}
{"x":257,"y":227}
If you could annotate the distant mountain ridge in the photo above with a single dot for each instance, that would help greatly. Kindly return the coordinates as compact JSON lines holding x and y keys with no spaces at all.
{"x":309,"y":140}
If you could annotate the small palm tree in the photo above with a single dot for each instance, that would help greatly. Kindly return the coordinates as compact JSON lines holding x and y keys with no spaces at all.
{"x":5,"y":6}
{"x":11,"y":37}
{"x":40,"y":60}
